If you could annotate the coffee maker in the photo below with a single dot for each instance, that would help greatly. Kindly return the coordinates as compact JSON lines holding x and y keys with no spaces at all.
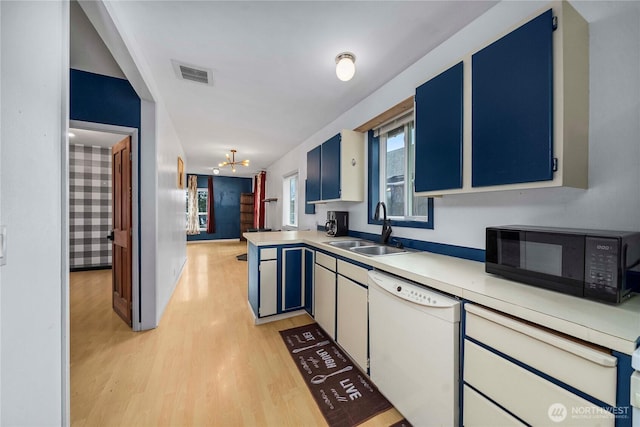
{"x":337,"y":223}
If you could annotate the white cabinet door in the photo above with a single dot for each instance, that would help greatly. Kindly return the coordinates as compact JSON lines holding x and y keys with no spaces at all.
{"x":352,"y":325}
{"x":268,"y":287}
{"x":325,"y":299}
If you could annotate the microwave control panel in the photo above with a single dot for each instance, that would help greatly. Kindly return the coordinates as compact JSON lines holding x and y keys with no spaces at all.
{"x":601,"y":265}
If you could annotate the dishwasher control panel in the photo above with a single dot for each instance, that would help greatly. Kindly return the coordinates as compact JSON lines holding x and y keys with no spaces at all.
{"x":409,"y":291}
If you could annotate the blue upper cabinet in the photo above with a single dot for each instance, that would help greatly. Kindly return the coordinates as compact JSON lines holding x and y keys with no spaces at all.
{"x":525,"y":111}
{"x":512,"y":107}
{"x":330,"y":169}
{"x":338,"y":166}
{"x":313,"y":175}
{"x":438,"y":115}
{"x":309,"y":208}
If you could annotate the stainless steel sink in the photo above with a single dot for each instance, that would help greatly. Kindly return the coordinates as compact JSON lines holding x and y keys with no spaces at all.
{"x":348,"y":244}
{"x":377,"y":250}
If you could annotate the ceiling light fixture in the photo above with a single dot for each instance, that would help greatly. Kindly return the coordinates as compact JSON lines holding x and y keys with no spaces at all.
{"x":231,"y":161}
{"x":345,"y":66}
{"x":216,"y":171}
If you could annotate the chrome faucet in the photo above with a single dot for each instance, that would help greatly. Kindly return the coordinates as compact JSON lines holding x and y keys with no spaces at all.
{"x":386,"y":224}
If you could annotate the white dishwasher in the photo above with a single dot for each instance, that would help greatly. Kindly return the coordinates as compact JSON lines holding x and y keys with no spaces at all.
{"x":414,"y":335}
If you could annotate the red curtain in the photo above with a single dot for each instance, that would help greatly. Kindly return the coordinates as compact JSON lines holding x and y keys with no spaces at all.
{"x":258,"y":197}
{"x":211,"y":220}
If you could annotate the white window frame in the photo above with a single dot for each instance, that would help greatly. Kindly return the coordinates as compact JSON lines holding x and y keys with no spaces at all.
{"x":407,"y":121}
{"x":206,"y":191}
{"x":287,"y":202}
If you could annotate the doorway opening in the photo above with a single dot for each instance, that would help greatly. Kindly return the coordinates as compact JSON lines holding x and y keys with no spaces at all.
{"x":91,"y":204}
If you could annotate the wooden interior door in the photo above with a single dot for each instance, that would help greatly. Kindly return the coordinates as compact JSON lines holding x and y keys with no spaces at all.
{"x":121,"y":234}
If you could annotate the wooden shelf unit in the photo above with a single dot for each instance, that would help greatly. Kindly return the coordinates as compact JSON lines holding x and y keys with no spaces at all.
{"x":246,"y":213}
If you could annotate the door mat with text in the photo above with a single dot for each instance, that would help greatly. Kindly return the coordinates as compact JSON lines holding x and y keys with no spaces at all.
{"x":345,"y":395}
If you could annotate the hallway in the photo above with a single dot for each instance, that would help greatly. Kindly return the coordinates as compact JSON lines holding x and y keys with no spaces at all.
{"x":206,"y":365}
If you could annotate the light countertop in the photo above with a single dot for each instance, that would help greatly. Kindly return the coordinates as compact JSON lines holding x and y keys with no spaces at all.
{"x":612,"y":326}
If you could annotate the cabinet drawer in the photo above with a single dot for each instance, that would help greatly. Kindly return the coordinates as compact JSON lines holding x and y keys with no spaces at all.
{"x":480,"y":412}
{"x":353,"y":272}
{"x":525,"y":394}
{"x":585,"y":368}
{"x":269,"y":253}
{"x":326,"y":261}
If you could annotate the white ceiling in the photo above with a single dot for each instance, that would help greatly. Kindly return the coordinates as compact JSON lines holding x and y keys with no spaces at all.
{"x":273,"y":63}
{"x":93,"y":138}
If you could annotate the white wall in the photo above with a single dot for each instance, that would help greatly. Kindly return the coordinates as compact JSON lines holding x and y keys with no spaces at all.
{"x":163,"y":237}
{"x":613,"y":198}
{"x":87,"y":50}
{"x":34,"y":90}
{"x":171,"y":252}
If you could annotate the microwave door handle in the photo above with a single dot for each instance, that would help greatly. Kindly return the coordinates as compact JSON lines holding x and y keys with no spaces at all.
{"x":623,"y":259}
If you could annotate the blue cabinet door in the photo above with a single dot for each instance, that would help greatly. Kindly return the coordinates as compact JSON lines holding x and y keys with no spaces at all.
{"x":330,"y":169}
{"x":313,"y":174}
{"x":512,"y":107}
{"x":308,"y":207}
{"x":292,"y":281}
{"x":439,"y":132}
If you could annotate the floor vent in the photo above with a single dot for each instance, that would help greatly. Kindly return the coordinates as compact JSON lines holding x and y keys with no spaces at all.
{"x":193,"y":73}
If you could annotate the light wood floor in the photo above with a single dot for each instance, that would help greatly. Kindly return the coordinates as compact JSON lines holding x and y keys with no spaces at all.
{"x":207,"y":364}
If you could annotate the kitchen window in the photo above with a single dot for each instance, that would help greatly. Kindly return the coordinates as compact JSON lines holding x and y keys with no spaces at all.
{"x":392,"y":174}
{"x":290,"y":200}
{"x":202,"y":208}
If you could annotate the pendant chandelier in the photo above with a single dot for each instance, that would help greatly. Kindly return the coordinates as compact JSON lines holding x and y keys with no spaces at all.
{"x":231,"y":161}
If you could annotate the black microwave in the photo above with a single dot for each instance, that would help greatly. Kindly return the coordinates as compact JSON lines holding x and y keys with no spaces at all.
{"x":594,"y":264}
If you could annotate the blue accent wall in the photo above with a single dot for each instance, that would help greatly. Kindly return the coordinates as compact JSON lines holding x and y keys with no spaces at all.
{"x":226,"y":195}
{"x":103,"y":99}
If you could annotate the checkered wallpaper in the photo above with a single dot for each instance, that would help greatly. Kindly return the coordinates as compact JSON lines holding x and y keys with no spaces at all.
{"x":89,"y":207}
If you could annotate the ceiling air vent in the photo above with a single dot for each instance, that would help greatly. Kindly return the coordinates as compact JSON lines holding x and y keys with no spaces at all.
{"x":193,"y":73}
